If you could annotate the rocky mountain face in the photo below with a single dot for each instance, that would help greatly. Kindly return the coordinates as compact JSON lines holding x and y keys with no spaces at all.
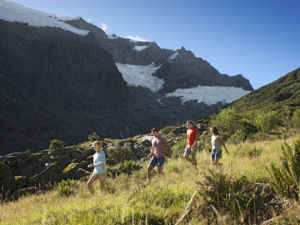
{"x":50,"y":84}
{"x":179,"y":68}
{"x":64,"y":78}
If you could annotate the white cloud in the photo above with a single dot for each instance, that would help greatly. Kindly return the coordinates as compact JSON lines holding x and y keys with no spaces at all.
{"x":136,"y":38}
{"x":103,"y":26}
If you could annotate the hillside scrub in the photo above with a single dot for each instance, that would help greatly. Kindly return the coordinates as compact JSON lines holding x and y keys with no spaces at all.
{"x":240,"y":187}
{"x":255,"y":125}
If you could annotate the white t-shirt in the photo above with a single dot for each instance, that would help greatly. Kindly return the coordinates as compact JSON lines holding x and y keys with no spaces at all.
{"x":215,"y":142}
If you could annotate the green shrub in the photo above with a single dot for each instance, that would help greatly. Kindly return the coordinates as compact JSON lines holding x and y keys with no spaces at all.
{"x":241,"y":200}
{"x":228,"y":121}
{"x":67,"y":187}
{"x":124,"y":167}
{"x":178,"y":148}
{"x":56,"y":144}
{"x":286,"y":179}
{"x":94,"y":137}
{"x":296,"y":119}
{"x":267,"y":121}
{"x":118,"y":155}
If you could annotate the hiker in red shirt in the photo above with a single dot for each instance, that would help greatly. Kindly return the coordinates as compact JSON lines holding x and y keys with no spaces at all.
{"x":191,"y":145}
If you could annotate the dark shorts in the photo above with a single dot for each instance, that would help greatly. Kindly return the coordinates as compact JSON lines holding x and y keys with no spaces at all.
{"x":157,"y":161}
{"x":216,"y":154}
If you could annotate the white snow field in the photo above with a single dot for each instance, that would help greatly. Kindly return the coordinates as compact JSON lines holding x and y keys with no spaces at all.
{"x":173,"y":56}
{"x":112,"y":36}
{"x":209,"y":95}
{"x":64,"y":18}
{"x":140,"y":47}
{"x":14,"y":12}
{"x":138,"y":75}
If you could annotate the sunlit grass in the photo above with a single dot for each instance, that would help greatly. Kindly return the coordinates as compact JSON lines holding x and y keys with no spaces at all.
{"x":129,"y":200}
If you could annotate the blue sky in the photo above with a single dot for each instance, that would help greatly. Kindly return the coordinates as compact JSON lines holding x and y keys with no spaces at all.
{"x":257,"y":38}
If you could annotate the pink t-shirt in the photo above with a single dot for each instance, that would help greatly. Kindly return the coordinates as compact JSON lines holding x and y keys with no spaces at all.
{"x":159,"y":145}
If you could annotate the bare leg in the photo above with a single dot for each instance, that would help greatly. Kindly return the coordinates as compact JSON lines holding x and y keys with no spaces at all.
{"x":194,"y":162}
{"x":160,"y":170}
{"x":215,"y":161}
{"x":188,"y":159}
{"x":102,"y":185}
{"x":150,"y":167}
{"x":90,"y":183}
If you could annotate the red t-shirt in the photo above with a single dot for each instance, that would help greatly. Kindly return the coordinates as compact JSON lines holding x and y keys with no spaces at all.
{"x":191,"y":136}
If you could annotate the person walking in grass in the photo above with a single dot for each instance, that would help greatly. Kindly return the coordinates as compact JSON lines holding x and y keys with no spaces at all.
{"x":159,"y":146}
{"x":99,"y":165}
{"x":216,"y":143}
{"x":191,"y":144}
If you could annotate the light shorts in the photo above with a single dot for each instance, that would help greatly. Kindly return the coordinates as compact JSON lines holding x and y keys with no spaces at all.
{"x":189,"y":150}
{"x":100,"y":176}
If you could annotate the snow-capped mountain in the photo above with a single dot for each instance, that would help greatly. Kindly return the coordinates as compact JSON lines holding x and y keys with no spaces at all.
{"x":14,"y":12}
{"x":62,"y":77}
{"x":163,"y":71}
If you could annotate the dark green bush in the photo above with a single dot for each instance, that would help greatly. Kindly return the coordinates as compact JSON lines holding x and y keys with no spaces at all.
{"x":56,"y":144}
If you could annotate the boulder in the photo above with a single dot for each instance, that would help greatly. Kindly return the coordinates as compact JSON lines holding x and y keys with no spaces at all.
{"x":52,"y":173}
{"x":58,"y":151}
{"x":30,"y":169}
{"x":71,"y":167}
{"x":75,"y":171}
{"x":146,"y":143}
{"x":4,"y":170}
{"x":78,"y":174}
{"x":12,"y":183}
{"x":76,"y":154}
{"x":88,"y":152}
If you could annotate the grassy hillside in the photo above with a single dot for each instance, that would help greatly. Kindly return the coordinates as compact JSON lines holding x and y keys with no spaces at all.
{"x":258,"y":183}
{"x":272,"y":111}
{"x":284,"y":92}
{"x":129,"y":200}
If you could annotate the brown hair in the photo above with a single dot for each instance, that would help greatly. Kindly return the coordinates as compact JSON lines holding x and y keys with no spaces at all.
{"x":214,"y":130}
{"x":190,"y":122}
{"x":154,"y":130}
{"x":97,"y":143}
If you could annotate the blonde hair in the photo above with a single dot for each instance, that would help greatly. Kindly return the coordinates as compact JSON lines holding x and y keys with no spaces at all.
{"x":97,"y":143}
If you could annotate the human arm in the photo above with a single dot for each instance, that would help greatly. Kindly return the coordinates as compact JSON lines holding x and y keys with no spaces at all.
{"x":196,"y":139}
{"x":168,"y":147}
{"x":151,"y":153}
{"x":223,"y":144}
